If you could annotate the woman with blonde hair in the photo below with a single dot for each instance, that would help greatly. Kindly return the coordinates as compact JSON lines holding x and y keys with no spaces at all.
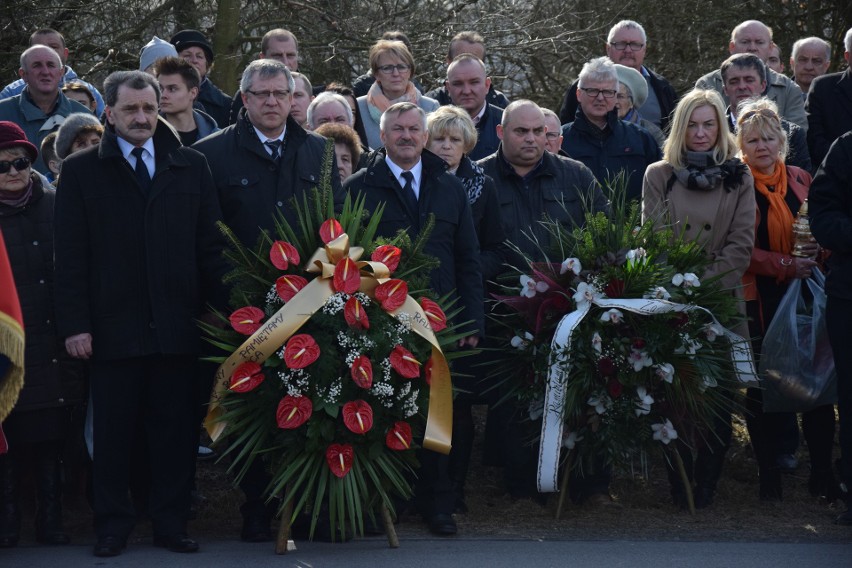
{"x":704,"y":193}
{"x":780,"y":190}
{"x":393,"y":67}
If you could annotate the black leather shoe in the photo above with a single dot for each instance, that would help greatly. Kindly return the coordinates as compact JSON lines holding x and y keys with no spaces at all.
{"x":176,"y":543}
{"x":108,"y":546}
{"x":442,"y":524}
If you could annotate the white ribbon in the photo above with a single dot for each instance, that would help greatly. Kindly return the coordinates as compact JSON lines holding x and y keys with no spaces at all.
{"x":554,"y":395}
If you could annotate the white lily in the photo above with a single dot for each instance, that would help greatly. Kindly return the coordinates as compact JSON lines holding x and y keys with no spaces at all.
{"x":639,"y":360}
{"x":597,"y":342}
{"x":530,"y":287}
{"x":645,"y":401}
{"x":658,"y":293}
{"x":665,"y":371}
{"x":585,"y":293}
{"x":612,"y":315}
{"x":519,"y":342}
{"x":664,"y":431}
{"x":572,"y":264}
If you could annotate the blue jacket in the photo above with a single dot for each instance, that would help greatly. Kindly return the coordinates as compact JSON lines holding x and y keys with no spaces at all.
{"x":622,"y":146}
{"x":488,"y":141}
{"x":15,"y":88}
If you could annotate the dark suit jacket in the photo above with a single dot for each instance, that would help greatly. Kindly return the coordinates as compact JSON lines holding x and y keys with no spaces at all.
{"x":829,"y":108}
{"x":487,"y":141}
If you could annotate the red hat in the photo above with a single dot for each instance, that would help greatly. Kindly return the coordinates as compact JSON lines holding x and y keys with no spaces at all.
{"x":12,"y":136}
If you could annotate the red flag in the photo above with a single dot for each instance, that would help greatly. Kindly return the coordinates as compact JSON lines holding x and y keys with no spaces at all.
{"x":11,"y":342}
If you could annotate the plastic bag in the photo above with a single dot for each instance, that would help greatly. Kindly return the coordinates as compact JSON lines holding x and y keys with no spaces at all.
{"x":797,"y":365}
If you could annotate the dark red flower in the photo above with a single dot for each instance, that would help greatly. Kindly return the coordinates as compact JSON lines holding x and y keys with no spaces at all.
{"x":399,"y":437}
{"x":679,"y":320}
{"x":388,"y":255}
{"x":436,"y":316}
{"x":362,"y":371}
{"x":614,"y":387}
{"x":330,"y":230}
{"x":293,"y":411}
{"x":392,"y":294}
{"x":347,"y":277}
{"x":339,"y":458}
{"x":246,"y":377}
{"x":247,"y":320}
{"x":358,"y":416}
{"x":355,"y":314}
{"x":614,"y":289}
{"x":289,"y":285}
{"x":638,"y":343}
{"x":301,"y":351}
{"x":282,"y":254}
{"x":404,"y":363}
{"x":606,"y":367}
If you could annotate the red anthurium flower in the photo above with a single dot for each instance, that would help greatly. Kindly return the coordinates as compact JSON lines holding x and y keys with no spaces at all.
{"x":330,"y":230}
{"x":436,"y":316}
{"x":339,"y":458}
{"x":289,"y":285}
{"x":247,"y":320}
{"x":404,"y":363}
{"x":301,"y":351}
{"x":399,"y":437}
{"x":282,"y":254}
{"x":358,"y":416}
{"x":246,"y":377}
{"x":347,"y":277}
{"x":388,"y":255}
{"x":355,"y":315}
{"x":392,"y":294}
{"x":427,"y":371}
{"x":362,"y":371}
{"x":293,"y":411}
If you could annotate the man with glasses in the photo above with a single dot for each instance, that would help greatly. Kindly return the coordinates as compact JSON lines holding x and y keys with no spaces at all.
{"x":606,"y":145}
{"x":755,"y":37}
{"x":260,"y":163}
{"x":553,"y":134}
{"x":626,"y":44}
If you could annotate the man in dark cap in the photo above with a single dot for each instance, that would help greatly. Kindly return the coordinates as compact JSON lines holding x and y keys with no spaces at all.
{"x":195,"y":48}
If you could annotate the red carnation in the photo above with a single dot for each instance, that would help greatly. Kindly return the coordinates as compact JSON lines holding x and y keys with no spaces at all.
{"x":301,"y":351}
{"x":293,"y":411}
{"x":404,"y":363}
{"x":330,"y":230}
{"x":392,"y":294}
{"x":347,"y":277}
{"x":434,"y":313}
{"x":247,"y":320}
{"x":289,"y":285}
{"x":388,"y":255}
{"x":399,"y":437}
{"x":358,"y":416}
{"x":282,"y":254}
{"x":339,"y":458}
{"x":362,"y":372}
{"x":355,"y":314}
{"x":246,"y":377}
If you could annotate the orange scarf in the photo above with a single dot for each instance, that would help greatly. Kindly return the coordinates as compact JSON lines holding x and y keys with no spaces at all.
{"x":779,"y":217}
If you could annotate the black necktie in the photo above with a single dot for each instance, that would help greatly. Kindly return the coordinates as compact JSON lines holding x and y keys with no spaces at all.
{"x":274,"y":147}
{"x":409,"y":196}
{"x":141,"y":170}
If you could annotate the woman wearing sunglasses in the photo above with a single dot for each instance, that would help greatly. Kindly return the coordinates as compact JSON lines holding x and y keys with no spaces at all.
{"x":39,"y":423}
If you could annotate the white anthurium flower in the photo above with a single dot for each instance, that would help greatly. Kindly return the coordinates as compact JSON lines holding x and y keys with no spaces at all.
{"x":639,"y":360}
{"x":612,"y":315}
{"x":585,"y":293}
{"x":536,"y":408}
{"x":570,"y":440}
{"x":712,"y":331}
{"x":601,"y":402}
{"x":645,"y":401}
{"x":658,"y":293}
{"x":519,"y":342}
{"x":664,"y":431}
{"x":665,"y":371}
{"x":677,"y":279}
{"x":572,"y":264}
{"x":530,"y":287}
{"x":597,"y":342}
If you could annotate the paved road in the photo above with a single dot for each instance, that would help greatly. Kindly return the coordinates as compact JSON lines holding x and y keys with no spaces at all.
{"x":450,"y":553}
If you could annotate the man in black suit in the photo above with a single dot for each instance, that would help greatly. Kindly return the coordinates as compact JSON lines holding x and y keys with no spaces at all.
{"x":829,"y":107}
{"x":413,"y":184}
{"x":138,"y":254}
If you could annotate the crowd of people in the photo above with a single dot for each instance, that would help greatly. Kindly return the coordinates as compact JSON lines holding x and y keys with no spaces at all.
{"x":109,"y":203}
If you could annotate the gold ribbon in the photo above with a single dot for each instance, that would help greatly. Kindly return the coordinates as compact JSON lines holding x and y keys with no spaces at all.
{"x":264,"y":342}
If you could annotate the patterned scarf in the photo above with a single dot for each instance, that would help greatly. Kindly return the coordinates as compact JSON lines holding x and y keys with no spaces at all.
{"x":377,"y":102}
{"x":473,"y":185}
{"x":779,"y":219}
{"x":703,"y":174}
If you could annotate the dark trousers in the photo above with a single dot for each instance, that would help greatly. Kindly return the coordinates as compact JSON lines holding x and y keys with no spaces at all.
{"x":156,"y":393}
{"x":838,"y":314}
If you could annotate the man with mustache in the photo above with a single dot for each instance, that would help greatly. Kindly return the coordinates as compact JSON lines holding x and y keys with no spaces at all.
{"x":138,"y":254}
{"x":413,"y":185}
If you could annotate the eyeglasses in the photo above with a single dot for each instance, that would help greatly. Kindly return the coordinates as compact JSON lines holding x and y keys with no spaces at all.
{"x":552,"y":135}
{"x":389,"y":69}
{"x":622,"y":45}
{"x":20,"y":164}
{"x":622,"y":97}
{"x":593,"y":93}
{"x":263,"y":95}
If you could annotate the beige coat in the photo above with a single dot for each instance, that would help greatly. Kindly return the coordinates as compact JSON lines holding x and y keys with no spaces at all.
{"x":722,"y":221}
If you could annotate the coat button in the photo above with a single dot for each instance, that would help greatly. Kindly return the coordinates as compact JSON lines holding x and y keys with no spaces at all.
{"x":272,"y":168}
{"x":41,"y":281}
{"x":152,"y":325}
{"x":312,"y":177}
{"x":280,"y":204}
{"x":35,"y":243}
{"x":61,"y":400}
{"x":244,"y":181}
{"x":54,"y":361}
{"x":706,"y":226}
{"x":47,"y":322}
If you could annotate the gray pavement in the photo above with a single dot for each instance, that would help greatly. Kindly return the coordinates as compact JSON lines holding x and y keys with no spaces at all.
{"x":450,"y":553}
